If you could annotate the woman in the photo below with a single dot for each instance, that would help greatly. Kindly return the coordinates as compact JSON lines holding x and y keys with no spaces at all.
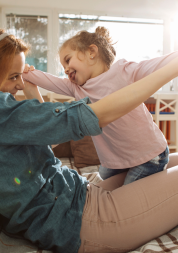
{"x":55,"y":207}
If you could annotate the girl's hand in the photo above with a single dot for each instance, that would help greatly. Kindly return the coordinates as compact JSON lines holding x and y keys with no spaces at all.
{"x":28,"y":68}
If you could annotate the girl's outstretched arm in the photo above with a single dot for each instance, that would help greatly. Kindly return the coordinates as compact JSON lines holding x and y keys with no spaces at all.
{"x":125,"y":100}
{"x":50,"y":82}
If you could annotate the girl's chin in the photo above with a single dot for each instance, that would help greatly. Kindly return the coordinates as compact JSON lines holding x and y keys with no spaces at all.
{"x":77,"y":83}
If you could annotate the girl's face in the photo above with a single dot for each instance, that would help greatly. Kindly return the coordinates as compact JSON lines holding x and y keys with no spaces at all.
{"x":78,"y":66}
{"x":14,"y":81}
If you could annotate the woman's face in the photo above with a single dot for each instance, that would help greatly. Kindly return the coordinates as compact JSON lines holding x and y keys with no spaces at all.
{"x":14,"y":81}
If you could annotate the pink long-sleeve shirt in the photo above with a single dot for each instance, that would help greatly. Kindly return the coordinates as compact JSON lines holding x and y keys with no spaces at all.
{"x":134,"y":138}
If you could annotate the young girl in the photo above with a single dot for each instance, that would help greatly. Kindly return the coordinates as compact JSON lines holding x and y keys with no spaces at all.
{"x":54,"y":206}
{"x":132,"y":142}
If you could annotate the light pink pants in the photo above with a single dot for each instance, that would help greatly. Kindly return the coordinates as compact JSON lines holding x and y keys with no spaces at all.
{"x":122,"y":219}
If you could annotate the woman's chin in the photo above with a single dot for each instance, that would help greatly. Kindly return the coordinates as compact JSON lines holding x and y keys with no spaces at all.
{"x":13,"y":94}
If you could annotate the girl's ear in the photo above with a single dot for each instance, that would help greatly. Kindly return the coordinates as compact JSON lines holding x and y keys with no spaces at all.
{"x":93,"y":51}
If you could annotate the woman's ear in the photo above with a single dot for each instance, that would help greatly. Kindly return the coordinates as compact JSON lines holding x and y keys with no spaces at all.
{"x":93,"y":51}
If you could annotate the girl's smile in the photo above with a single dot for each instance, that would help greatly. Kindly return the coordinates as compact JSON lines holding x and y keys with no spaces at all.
{"x":72,"y":76}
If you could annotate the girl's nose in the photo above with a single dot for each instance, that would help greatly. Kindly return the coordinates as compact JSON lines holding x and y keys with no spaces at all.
{"x":20,"y":85}
{"x":67,"y":71}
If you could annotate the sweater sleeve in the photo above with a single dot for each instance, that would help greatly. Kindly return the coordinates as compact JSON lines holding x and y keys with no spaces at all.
{"x":133,"y":71}
{"x":50,"y":82}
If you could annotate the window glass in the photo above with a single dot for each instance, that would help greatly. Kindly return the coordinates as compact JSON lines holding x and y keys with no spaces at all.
{"x":31,"y":29}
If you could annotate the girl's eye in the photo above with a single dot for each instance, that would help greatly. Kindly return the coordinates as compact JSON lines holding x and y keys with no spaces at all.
{"x":67,"y":61}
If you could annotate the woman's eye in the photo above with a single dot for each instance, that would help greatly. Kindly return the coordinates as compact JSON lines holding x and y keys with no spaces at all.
{"x":14,"y":78}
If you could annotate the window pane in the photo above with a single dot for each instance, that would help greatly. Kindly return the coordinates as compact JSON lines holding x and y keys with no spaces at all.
{"x":136,"y":40}
{"x":31,"y":29}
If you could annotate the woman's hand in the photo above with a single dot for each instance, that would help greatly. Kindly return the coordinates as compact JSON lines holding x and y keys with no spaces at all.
{"x":28,"y":68}
{"x":29,"y":87}
{"x":31,"y":91}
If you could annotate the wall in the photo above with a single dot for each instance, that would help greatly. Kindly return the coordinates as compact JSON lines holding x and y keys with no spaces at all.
{"x":131,"y":8}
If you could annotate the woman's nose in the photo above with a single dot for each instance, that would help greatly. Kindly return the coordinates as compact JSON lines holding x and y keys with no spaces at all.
{"x":20,"y":85}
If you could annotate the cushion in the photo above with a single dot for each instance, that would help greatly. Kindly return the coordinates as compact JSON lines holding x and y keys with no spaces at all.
{"x":84,"y":153}
{"x":63,"y":150}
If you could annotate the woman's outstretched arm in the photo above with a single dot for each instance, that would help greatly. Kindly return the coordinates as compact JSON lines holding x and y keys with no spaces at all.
{"x":31,"y":91}
{"x":125,"y":100}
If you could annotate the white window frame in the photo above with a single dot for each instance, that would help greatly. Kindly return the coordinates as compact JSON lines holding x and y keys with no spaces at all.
{"x":52,"y":31}
{"x":167,"y":45}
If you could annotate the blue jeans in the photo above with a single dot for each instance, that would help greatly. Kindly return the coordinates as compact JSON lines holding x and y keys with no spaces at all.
{"x":153,"y":166}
